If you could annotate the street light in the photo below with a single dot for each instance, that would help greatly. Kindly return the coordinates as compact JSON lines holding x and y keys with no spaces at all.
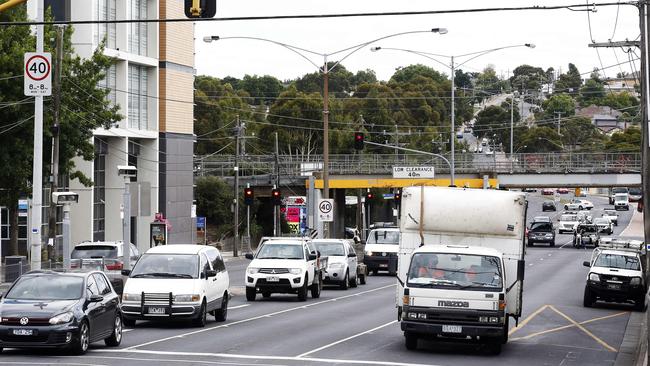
{"x":561,"y":146}
{"x":303,"y":52}
{"x":453,"y":67}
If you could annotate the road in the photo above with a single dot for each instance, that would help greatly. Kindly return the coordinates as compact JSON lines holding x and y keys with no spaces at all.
{"x":358,"y":326}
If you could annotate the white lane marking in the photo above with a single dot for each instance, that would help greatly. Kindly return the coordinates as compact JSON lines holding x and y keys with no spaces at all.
{"x":345,"y":339}
{"x":257,"y":317}
{"x":238,"y":306}
{"x":183,"y":362}
{"x":567,"y":243}
{"x":48,"y":363}
{"x":329,"y":361}
{"x":127,"y":330}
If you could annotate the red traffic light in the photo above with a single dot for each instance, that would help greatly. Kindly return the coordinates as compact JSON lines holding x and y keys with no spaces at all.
{"x":358,"y":140}
{"x":369,"y":196}
{"x":249,"y":195}
{"x":276,"y":196}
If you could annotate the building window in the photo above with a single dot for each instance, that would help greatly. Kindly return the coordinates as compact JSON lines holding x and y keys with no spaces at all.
{"x":99,"y":190}
{"x":138,"y":92}
{"x":106,"y":11}
{"x":110,"y":82}
{"x":138,"y":31}
{"x":4,"y":228}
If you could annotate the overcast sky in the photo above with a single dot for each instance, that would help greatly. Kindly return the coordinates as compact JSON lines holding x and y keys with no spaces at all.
{"x":561,"y":36}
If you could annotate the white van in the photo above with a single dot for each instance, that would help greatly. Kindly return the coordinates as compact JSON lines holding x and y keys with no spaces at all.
{"x":380,"y":252}
{"x":621,"y":201}
{"x":180,"y":281}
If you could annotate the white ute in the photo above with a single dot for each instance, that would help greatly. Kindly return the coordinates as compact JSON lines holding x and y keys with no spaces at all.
{"x":285,"y":265}
{"x":461,"y":264}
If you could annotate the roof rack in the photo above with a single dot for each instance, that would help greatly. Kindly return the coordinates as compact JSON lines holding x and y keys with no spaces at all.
{"x":623,"y":244}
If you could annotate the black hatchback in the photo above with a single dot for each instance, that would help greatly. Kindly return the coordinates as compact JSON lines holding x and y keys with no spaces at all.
{"x":549,"y":206}
{"x":63,"y":310}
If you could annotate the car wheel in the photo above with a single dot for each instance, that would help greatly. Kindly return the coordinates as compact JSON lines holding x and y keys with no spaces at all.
{"x":250,"y":293}
{"x":266,"y":294}
{"x":639,"y":303}
{"x":375,"y":272}
{"x":553,"y":243}
{"x":316,"y":288}
{"x":221,"y":314}
{"x":411,"y":341}
{"x":580,"y":208}
{"x":566,"y":207}
{"x":302,"y":291}
{"x":116,"y":337}
{"x":588,"y":299}
{"x":530,"y":243}
{"x":83,"y":339}
{"x":362,"y":279}
{"x":353,"y":282}
{"x":346,"y":281}
{"x":128,"y":322}
{"x":202,"y":319}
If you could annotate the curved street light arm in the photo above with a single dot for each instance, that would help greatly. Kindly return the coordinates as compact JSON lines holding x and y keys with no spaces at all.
{"x":423,"y":54}
{"x":485,"y":52}
{"x":294,"y":49}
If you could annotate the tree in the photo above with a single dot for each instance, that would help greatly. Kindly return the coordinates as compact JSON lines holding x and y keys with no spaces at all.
{"x":579,"y":132}
{"x":341,"y":81}
{"x":410,"y":73}
{"x":558,"y":103}
{"x":528,"y":77}
{"x":625,"y":141}
{"x":592,"y":92}
{"x":569,"y":82}
{"x":540,"y":140}
{"x":262,"y":89}
{"x":214,"y":198}
{"x":84,"y":108}
{"x":494,"y":122}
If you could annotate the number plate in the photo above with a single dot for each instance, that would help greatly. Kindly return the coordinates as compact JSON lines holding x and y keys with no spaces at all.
{"x":383,"y":265}
{"x":273,"y":279}
{"x":23,"y":332}
{"x":156,"y":310}
{"x":452,"y":329}
{"x":613,"y":286}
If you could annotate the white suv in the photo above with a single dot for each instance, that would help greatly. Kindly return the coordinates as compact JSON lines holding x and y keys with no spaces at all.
{"x":177,"y":281}
{"x":341,"y":262}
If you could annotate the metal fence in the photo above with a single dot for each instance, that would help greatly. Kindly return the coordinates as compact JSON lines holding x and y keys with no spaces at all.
{"x":10,"y":272}
{"x":381,"y":164}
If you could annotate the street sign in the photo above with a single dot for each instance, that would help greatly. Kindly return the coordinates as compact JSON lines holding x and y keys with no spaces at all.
{"x":38,"y":74}
{"x":200,"y":222}
{"x":413,"y":172}
{"x":389,"y":196}
{"x":326,"y":210}
{"x":193,"y":211}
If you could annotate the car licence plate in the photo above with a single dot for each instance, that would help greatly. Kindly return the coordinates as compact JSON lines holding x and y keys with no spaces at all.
{"x":23,"y":332}
{"x":612,"y":286}
{"x":156,"y":310}
{"x":273,"y":279}
{"x":452,"y":329}
{"x":383,"y":265}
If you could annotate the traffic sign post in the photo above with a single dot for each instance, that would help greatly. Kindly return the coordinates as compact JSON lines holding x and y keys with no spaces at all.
{"x":38,"y":74}
{"x":326,"y":210}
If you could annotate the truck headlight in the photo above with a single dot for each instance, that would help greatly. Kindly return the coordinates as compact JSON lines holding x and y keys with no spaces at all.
{"x":594,"y":277}
{"x":335,"y":265}
{"x":635,"y":281}
{"x":187,"y":298}
{"x":252,"y":270}
{"x":295,"y":271}
{"x":368,"y":253}
{"x":131,"y":297}
{"x":61,"y":318}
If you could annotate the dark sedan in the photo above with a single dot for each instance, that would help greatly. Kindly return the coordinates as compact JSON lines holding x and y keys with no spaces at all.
{"x":549,"y":206}
{"x":63,"y":310}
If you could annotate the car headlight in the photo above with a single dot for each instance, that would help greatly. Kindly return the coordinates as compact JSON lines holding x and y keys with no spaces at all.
{"x":295,"y":271}
{"x":635,"y":281}
{"x":61,"y":318}
{"x":594,"y":277}
{"x":252,"y":270}
{"x":369,"y":253}
{"x":187,"y":298}
{"x":131,"y":297}
{"x":335,"y":265}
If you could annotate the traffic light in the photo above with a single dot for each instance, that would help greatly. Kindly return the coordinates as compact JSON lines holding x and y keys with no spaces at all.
{"x":276,"y":197}
{"x":358,"y":140}
{"x":397,"y":196}
{"x":200,"y":8}
{"x":249,"y":196}
{"x":369,"y":197}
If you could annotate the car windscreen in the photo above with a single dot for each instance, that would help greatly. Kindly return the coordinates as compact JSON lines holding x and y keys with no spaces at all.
{"x":610,"y":213}
{"x":383,"y":237}
{"x":617,"y":261}
{"x":541,"y":226}
{"x":47,"y":287}
{"x":619,"y":190}
{"x":588,"y":228}
{"x":568,"y":218}
{"x":454,"y":271}
{"x":94,"y":251}
{"x":601,"y":221}
{"x":280,"y":251}
{"x":327,"y":249}
{"x":161,"y":265}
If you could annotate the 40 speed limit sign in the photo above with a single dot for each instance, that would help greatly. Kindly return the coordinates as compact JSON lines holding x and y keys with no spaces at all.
{"x":38,"y":74}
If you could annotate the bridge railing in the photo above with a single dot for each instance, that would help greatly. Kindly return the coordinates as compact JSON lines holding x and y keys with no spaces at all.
{"x":382,"y":164}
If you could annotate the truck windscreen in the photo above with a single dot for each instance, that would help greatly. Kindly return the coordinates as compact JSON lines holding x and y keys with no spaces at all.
{"x":446,"y":270}
{"x":383,"y":237}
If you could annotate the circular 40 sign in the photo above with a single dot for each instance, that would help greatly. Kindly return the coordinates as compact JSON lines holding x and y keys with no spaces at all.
{"x":38,"y":74}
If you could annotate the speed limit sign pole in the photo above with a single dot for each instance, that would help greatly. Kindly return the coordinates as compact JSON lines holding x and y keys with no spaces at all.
{"x":37,"y":172}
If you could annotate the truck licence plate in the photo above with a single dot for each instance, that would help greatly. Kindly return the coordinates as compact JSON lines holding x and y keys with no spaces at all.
{"x":383,"y":265}
{"x":452,"y":329}
{"x":156,"y":310}
{"x":273,"y":279}
{"x":23,"y":332}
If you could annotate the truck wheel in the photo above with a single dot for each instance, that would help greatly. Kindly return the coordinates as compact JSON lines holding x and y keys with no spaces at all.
{"x":266,"y":294}
{"x":588,"y":299}
{"x":494,"y":346}
{"x":506,"y":329}
{"x":530,"y":243}
{"x":346,"y":281}
{"x":639,"y":303}
{"x":302,"y":292}
{"x":362,"y":279}
{"x":250,"y":293}
{"x":316,"y":287}
{"x":375,"y":272}
{"x":353,"y":281}
{"x":411,"y":341}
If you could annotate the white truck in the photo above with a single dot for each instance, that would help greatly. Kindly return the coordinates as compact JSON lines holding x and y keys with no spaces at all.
{"x":461,"y":264}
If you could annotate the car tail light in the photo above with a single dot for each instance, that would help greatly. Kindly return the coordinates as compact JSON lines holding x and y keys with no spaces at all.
{"x":115,"y":266}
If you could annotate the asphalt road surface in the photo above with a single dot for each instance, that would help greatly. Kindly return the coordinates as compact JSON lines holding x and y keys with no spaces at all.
{"x":358,"y":326}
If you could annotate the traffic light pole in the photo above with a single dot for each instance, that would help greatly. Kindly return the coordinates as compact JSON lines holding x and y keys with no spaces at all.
{"x":236,"y":199}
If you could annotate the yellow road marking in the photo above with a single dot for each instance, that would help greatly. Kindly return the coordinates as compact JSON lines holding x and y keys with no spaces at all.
{"x":567,"y":326}
{"x":610,"y":348}
{"x":528,"y":319}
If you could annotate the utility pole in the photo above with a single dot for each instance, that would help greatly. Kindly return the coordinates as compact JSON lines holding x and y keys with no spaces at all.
{"x":235,"y":243}
{"x":452,"y":137}
{"x":559,"y":121}
{"x":56,"y":130}
{"x":512,"y":123}
{"x":326,"y":144}
{"x":37,"y":168}
{"x":276,"y":209}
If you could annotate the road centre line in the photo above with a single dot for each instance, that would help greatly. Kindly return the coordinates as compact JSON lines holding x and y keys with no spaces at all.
{"x":345,"y":339}
{"x":328,"y":361}
{"x":258,"y":317}
{"x":47,"y":363}
{"x":528,"y":319}
{"x":610,"y":348}
{"x":238,"y":306}
{"x":185,"y":361}
{"x":568,"y":326}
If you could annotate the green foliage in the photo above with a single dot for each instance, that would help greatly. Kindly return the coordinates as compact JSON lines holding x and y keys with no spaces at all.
{"x":489,"y":83}
{"x":626,"y":141}
{"x":579,"y":131}
{"x":592,"y":92}
{"x":527,"y":77}
{"x":214,"y":198}
{"x":540,"y":140}
{"x":562,"y":103}
{"x":569,"y":82}
{"x":413,"y":73}
{"x":494,"y":122}
{"x":262,"y":89}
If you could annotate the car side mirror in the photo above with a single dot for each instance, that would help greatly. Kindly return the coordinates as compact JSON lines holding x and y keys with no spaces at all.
{"x":586,"y":264}
{"x":96,"y":298}
{"x":249,"y":256}
{"x":126,"y":272}
{"x":210,"y":273}
{"x":521,"y":267}
{"x":312,"y":257}
{"x":352,"y":255}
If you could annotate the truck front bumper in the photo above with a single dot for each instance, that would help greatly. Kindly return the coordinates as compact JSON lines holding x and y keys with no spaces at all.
{"x":433,"y":330}
{"x":452,"y":323}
